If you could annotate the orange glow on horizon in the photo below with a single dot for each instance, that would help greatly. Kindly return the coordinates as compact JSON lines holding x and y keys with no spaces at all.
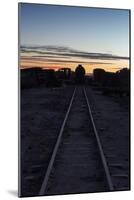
{"x":89,"y":66}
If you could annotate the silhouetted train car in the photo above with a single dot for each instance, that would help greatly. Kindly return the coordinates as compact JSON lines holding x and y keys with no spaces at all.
{"x":105,"y":79}
{"x":89,"y":79}
{"x":79,"y":74}
{"x":124,"y":79}
{"x":98,"y":76}
{"x":112,"y":83}
{"x":30,"y":77}
{"x":35,"y":77}
{"x":64,"y":73}
{"x":51,"y":79}
{"x":110,"y":80}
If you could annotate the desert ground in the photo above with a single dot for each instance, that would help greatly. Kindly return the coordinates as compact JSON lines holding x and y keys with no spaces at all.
{"x":42,"y":113}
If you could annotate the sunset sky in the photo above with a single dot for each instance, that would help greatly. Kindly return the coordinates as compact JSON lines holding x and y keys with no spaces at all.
{"x":63,"y":36}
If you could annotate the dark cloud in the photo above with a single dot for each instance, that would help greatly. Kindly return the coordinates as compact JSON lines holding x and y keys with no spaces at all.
{"x":41,"y":59}
{"x":66,"y":52}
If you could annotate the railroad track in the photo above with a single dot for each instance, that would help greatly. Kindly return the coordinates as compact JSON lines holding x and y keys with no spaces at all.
{"x":78,"y":163}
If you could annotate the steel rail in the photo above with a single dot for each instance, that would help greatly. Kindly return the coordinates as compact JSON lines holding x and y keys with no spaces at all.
{"x":51,"y":162}
{"x":104,"y":162}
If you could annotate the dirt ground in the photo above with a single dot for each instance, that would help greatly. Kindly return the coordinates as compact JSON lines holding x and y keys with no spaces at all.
{"x":111,"y":116}
{"x":42,"y":113}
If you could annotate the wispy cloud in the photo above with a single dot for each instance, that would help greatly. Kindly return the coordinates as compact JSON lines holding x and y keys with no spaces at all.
{"x":59,"y":52}
{"x":48,"y":60}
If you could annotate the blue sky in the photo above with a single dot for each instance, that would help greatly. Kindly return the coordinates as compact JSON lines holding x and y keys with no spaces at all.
{"x":84,"y":29}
